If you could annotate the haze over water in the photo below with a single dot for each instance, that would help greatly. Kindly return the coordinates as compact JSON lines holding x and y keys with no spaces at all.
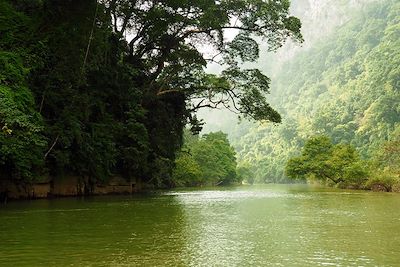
{"x":270,"y":225}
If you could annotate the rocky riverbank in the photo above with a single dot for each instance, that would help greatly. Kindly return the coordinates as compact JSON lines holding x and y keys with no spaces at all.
{"x":66,"y":186}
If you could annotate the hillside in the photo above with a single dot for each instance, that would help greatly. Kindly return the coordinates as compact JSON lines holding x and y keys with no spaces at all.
{"x":346,"y":87}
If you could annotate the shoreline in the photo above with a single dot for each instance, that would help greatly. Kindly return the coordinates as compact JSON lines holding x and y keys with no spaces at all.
{"x":68,"y":186}
{"x":112,"y":189}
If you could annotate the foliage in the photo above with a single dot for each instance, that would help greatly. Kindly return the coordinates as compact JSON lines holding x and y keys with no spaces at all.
{"x":387,"y":158}
{"x":386,"y":165}
{"x":84,"y":100}
{"x":322,"y":160}
{"x":187,"y":171}
{"x":209,"y":160}
{"x":382,"y":181}
{"x":166,"y":42}
{"x":245,"y":173}
{"x":21,"y":139}
{"x":345,"y":87}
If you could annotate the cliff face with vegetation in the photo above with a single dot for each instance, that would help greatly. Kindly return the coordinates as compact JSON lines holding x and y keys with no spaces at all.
{"x":345,"y":87}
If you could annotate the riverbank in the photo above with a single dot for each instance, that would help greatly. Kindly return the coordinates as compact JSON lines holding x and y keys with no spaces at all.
{"x":74,"y":186}
{"x":68,"y":186}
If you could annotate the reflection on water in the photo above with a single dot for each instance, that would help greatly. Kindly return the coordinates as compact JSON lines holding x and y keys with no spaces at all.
{"x":244,"y":226}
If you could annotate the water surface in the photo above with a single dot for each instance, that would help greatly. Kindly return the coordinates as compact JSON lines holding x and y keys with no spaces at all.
{"x":272,"y":225}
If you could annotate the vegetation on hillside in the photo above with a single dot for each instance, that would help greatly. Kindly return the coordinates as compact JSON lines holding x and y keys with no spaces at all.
{"x":346,"y":88}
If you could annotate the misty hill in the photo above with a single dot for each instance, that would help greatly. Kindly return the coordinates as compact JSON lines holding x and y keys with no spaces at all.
{"x":319,"y":19}
{"x":346,"y":87}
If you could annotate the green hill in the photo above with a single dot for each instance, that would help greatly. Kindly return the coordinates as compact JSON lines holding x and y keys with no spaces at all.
{"x":346,"y":88}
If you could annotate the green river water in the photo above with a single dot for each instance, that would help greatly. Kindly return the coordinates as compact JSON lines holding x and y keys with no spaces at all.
{"x":271,"y":225}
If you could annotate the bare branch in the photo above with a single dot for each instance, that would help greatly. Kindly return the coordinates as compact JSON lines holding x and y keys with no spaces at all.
{"x":52,"y":146}
{"x":41,"y":103}
{"x":115,"y":26}
{"x":90,"y":37}
{"x":168,"y":91}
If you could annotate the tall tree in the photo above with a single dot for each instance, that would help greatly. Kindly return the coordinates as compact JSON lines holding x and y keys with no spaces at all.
{"x":170,"y":44}
{"x":172,"y":41}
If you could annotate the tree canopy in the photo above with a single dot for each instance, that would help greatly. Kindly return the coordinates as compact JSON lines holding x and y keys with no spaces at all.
{"x":322,"y":160}
{"x":209,"y":160}
{"x":167,"y":40}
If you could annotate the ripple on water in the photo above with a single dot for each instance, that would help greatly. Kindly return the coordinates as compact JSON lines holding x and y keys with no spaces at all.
{"x":229,"y":196}
{"x":243,"y":226}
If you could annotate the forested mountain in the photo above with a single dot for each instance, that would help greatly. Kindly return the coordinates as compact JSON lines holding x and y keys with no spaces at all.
{"x":345,"y":87}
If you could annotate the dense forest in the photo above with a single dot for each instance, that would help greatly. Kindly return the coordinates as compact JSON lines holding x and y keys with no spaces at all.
{"x":102,"y":89}
{"x":97,"y":89}
{"x":344,"y":91}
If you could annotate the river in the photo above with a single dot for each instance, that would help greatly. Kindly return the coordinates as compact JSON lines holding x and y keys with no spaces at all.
{"x":269,"y":225}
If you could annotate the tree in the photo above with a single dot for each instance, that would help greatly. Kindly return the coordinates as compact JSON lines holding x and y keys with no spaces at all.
{"x":216,"y":158}
{"x":165,"y":40}
{"x":388,"y":156}
{"x":209,"y":160}
{"x":313,"y":160}
{"x":187,"y":171}
{"x":245,"y":173}
{"x":345,"y":164}
{"x":322,"y":160}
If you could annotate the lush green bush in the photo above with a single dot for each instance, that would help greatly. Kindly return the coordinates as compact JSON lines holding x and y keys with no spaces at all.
{"x":321,"y":160}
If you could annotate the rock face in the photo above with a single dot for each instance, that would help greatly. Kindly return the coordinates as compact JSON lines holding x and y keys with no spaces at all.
{"x":40,"y":190}
{"x":15,"y":191}
{"x":321,"y":17}
{"x":67,"y":186}
{"x":117,"y":185}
